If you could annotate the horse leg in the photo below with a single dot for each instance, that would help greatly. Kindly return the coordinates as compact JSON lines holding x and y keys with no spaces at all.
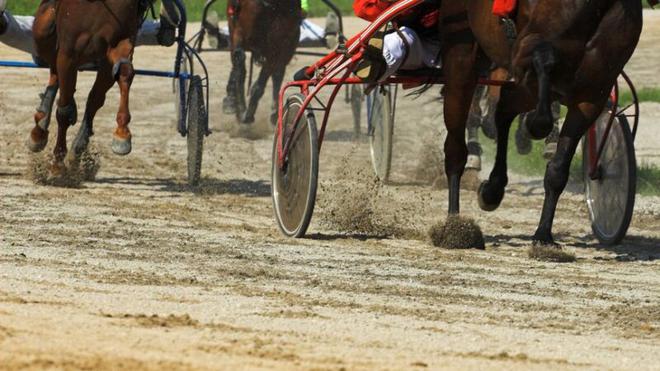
{"x":238,"y":67}
{"x":95,"y":101}
{"x":579,"y":118}
{"x":491,"y":191}
{"x":473,"y":124}
{"x":123,"y":73}
{"x":256,"y":92}
{"x":229,"y":102}
{"x":66,"y":108}
{"x":459,"y":90}
{"x":38,"y":137}
{"x":43,"y":31}
{"x":277,"y":78}
{"x":541,"y":122}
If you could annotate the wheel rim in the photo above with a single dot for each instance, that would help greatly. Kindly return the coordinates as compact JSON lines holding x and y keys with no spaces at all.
{"x":379,"y":120}
{"x":607,"y":195}
{"x":293,"y":186}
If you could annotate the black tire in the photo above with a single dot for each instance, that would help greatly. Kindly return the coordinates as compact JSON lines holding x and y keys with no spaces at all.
{"x":611,"y":196}
{"x":197,"y":124}
{"x":381,"y":125}
{"x":177,"y":88}
{"x":294,"y":186}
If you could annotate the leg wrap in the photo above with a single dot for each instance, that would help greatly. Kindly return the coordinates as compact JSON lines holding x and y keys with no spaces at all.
{"x":46,"y":105}
{"x":68,"y":114}
{"x":116,"y":69}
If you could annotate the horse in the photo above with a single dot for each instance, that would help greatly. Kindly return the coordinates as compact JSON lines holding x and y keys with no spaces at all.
{"x":70,"y":34}
{"x":270,"y":30}
{"x":567,"y":50}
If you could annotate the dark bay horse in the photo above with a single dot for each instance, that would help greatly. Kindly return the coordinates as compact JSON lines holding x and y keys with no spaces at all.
{"x":73,"y":33}
{"x":270,"y":29}
{"x":571,"y":50}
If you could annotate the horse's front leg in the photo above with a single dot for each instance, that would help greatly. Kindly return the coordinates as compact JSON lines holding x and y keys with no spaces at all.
{"x":43,"y":32}
{"x":38,"y":137}
{"x":67,"y":112}
{"x":459,"y":90}
{"x":123,"y":73}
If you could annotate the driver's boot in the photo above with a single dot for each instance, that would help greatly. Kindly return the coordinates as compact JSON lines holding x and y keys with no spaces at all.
{"x":331,"y":34}
{"x":169,"y":20}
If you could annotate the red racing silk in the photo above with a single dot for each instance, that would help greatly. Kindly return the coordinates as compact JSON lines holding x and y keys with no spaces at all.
{"x":504,"y":8}
{"x":371,"y":9}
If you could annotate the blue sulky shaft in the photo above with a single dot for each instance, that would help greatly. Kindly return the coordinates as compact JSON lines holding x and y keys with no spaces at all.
{"x":166,"y":74}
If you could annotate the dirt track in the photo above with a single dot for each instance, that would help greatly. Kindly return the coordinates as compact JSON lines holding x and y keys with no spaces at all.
{"x":136,"y":271}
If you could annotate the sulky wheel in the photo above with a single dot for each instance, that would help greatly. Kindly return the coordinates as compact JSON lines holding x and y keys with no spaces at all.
{"x":294,"y":185}
{"x":381,"y":124}
{"x":197,"y":125}
{"x":178,"y":85}
{"x":610,"y":195}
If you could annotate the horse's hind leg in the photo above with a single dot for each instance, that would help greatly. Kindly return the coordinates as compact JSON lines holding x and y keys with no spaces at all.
{"x":123,"y":73}
{"x":543,"y":60}
{"x":256,"y":92}
{"x":512,"y":101}
{"x":95,"y":101}
{"x":277,"y":78}
{"x":578,"y":119}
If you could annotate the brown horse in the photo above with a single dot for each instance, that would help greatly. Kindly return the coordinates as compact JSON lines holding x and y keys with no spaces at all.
{"x":270,"y":29}
{"x":569,"y":50}
{"x":100,"y":33}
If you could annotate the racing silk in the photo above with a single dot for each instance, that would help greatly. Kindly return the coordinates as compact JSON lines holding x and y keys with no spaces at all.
{"x":504,"y":8}
{"x":422,"y":18}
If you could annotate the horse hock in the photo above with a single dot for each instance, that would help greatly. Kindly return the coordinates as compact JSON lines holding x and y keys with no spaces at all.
{"x":540,"y":124}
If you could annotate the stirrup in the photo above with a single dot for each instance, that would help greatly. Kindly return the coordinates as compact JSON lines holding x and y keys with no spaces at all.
{"x":372,"y":66}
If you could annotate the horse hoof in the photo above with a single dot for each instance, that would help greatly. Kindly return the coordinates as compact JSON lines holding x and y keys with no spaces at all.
{"x":57,"y":169}
{"x":247,"y":120}
{"x":229,"y":105}
{"x":121,"y":146}
{"x":485,"y":202}
{"x":539,"y":126}
{"x":545,"y":241}
{"x":37,"y":140}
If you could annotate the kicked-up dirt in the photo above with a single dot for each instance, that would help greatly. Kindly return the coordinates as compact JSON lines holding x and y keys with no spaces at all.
{"x":136,"y":270}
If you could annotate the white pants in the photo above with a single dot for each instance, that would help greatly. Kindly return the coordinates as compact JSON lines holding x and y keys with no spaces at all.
{"x":18,"y":33}
{"x":421,"y":53}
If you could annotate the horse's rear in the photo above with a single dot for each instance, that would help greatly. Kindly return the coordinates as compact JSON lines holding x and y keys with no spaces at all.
{"x":572,"y":50}
{"x":270,"y":30}
{"x":567,"y":50}
{"x":88,"y":32}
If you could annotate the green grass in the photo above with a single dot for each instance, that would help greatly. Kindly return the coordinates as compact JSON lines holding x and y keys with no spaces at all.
{"x":193,"y":7}
{"x":644,"y":95}
{"x":648,"y":179}
{"x":533,"y":164}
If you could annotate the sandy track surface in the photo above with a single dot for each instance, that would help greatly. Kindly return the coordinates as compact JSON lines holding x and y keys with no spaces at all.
{"x":137,"y":271}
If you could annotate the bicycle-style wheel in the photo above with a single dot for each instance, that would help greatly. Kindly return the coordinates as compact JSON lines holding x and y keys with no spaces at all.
{"x":294,"y":185}
{"x":381,"y":125}
{"x":197,"y":124}
{"x":610,"y":195}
